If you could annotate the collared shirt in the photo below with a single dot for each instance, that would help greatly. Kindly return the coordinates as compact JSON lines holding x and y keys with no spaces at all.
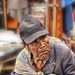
{"x":38,"y":69}
{"x":42,"y":64}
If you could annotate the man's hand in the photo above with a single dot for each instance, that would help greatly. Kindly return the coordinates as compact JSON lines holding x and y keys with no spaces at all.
{"x":37,"y":61}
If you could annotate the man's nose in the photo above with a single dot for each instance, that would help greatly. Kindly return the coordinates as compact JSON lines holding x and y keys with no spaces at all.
{"x":42,"y":43}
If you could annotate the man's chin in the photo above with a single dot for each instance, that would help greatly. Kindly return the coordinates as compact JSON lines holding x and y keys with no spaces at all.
{"x":44,"y":56}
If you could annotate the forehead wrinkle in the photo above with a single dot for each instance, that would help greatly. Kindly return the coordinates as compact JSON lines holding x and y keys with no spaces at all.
{"x":40,"y":38}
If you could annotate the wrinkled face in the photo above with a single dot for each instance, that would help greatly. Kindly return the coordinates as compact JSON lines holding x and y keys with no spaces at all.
{"x":40,"y":47}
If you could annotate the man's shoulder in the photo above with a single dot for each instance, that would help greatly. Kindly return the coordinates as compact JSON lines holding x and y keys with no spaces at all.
{"x":24,"y":53}
{"x":57,"y":41}
{"x":59,"y":49}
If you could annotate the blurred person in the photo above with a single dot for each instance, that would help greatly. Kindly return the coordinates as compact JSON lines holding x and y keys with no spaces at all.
{"x":17,"y":9}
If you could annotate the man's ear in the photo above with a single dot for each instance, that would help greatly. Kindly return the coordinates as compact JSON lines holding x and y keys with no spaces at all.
{"x":24,"y":45}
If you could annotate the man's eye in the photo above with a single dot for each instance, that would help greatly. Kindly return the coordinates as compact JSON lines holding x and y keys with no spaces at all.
{"x":44,"y":37}
{"x":35,"y":41}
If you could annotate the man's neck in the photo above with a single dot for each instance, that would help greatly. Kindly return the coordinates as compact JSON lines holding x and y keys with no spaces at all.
{"x":38,"y":61}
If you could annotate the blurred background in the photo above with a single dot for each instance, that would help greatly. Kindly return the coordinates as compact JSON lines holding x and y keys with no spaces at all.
{"x":57,"y":16}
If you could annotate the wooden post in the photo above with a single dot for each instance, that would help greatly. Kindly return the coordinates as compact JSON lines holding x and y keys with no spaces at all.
{"x":47,"y":16}
{"x":54,"y":18}
{"x":54,"y":5}
{"x":1,"y":65}
{"x":59,"y":27}
{"x":5,"y":14}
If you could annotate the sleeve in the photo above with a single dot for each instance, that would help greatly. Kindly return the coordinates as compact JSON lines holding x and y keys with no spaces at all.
{"x":23,"y":66}
{"x":68,"y":63}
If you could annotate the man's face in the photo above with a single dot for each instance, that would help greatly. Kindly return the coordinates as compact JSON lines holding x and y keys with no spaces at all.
{"x":40,"y":47}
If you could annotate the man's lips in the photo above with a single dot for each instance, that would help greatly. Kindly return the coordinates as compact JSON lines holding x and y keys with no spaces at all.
{"x":43,"y":52}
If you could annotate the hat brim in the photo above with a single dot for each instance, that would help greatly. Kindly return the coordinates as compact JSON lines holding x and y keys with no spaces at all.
{"x":34,"y":36}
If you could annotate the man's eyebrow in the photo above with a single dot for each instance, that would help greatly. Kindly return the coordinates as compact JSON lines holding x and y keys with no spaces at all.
{"x":43,"y":36}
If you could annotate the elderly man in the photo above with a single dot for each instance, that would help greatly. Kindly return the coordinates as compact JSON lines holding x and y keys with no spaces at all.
{"x":40,"y":56}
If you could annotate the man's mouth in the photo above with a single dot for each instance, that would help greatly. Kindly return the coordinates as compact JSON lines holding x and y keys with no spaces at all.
{"x":43,"y":53}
